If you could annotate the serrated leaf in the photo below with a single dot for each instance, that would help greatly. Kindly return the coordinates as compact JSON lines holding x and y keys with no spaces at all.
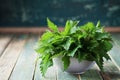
{"x":99,"y":62}
{"x":46,"y":36}
{"x":81,"y":57}
{"x":66,"y":62}
{"x":107,"y":45}
{"x":100,"y":36}
{"x":69,"y":27}
{"x":45,"y":63}
{"x":106,"y":56}
{"x":73,"y":30}
{"x":72,"y":53}
{"x":93,"y":44}
{"x":88,"y":27}
{"x":52,"y":26}
{"x":57,"y":55}
{"x":67,"y":44}
{"x":98,"y":24}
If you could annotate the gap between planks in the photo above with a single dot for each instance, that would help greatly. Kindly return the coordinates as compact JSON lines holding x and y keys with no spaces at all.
{"x":4,"y":42}
{"x":7,"y":60}
{"x":25,"y":66}
{"x":79,"y":78}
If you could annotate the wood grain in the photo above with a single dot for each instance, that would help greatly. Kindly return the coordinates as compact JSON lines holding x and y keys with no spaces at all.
{"x":92,"y":74}
{"x":10,"y":56}
{"x":24,"y":69}
{"x":111,"y":72}
{"x":4,"y":41}
{"x":65,"y":75}
{"x":115,"y":52}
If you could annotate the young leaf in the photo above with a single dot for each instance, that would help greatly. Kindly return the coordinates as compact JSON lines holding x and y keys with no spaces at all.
{"x":98,"y":24}
{"x":46,"y":36}
{"x":69,"y":27}
{"x":73,"y":30}
{"x":88,"y":27}
{"x":51,"y":25}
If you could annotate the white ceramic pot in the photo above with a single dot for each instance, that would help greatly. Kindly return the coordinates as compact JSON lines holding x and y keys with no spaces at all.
{"x":75,"y":67}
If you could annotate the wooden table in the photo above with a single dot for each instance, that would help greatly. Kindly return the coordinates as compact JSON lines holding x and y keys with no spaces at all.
{"x":18,"y":61}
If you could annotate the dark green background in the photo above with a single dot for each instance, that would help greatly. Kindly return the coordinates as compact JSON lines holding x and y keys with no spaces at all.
{"x":34,"y":12}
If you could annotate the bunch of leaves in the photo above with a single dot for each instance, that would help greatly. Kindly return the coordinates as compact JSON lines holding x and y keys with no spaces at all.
{"x":86,"y":42}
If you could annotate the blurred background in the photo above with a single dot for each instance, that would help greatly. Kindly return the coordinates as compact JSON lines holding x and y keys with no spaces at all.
{"x":33,"y":13}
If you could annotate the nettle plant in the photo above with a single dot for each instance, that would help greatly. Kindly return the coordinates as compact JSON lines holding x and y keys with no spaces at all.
{"x":87,"y":42}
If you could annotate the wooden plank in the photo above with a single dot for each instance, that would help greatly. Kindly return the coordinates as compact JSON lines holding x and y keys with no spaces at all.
{"x":37,"y":75}
{"x":4,"y":41}
{"x":115,"y":52}
{"x":65,"y":75}
{"x":10,"y":56}
{"x":116,"y":38}
{"x":92,"y":74}
{"x":24,"y":69}
{"x":111,"y":72}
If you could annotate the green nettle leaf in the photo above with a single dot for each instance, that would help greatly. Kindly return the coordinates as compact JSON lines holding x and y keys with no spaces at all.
{"x":99,"y":62}
{"x":72,"y":53}
{"x":57,"y":55}
{"x":51,"y":25}
{"x":98,"y":24}
{"x":69,"y":27}
{"x":66,"y":62}
{"x":93,"y":44}
{"x":100,"y":36}
{"x":106,"y":56}
{"x":68,"y":43}
{"x":46,"y":37}
{"x":83,"y":57}
{"x":108,"y":45}
{"x":88,"y":27}
{"x":73,"y":30}
{"x":45,"y":63}
{"x":86,"y":42}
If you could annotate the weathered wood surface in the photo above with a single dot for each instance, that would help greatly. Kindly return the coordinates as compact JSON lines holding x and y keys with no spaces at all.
{"x":10,"y":56}
{"x":18,"y":62}
{"x":115,"y":52}
{"x":4,"y":41}
{"x":25,"y":65}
